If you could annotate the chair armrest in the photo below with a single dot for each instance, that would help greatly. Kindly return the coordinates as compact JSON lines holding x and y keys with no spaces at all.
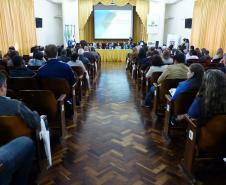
{"x":61,"y":109}
{"x":168,"y":98}
{"x":190,"y":146}
{"x":62,"y":98}
{"x":155,"y":85}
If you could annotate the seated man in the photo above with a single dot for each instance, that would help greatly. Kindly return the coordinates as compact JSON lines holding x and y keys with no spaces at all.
{"x":12,"y":107}
{"x":16,"y":160}
{"x":53,"y":68}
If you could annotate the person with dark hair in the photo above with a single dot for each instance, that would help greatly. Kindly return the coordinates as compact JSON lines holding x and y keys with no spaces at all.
{"x":54,"y":68}
{"x":16,"y":158}
{"x":142,"y":59}
{"x":192,"y":55}
{"x":38,"y":59}
{"x":193,"y":82}
{"x":76,"y":62}
{"x":63,"y":57}
{"x":11,"y":107}
{"x":157,"y":66}
{"x":211,"y":99}
{"x":19,"y":69}
{"x":204,"y":55}
{"x":176,"y":71}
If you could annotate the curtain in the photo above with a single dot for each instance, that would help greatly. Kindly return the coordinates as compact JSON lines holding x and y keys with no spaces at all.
{"x":142,"y":9}
{"x":89,"y":30}
{"x":17,"y":25}
{"x":86,"y":8}
{"x":209,"y":25}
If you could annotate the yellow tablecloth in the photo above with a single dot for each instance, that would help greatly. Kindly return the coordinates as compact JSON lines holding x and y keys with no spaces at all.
{"x":113,"y":55}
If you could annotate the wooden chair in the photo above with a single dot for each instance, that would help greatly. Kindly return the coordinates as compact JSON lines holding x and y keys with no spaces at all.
{"x":153,"y":79}
{"x":33,"y":68}
{"x":12,"y":127}
{"x":160,"y":91}
{"x":176,"y":107}
{"x":191,"y":61}
{"x":22,"y":83}
{"x":60,"y":86}
{"x":44,"y":102}
{"x":209,"y":143}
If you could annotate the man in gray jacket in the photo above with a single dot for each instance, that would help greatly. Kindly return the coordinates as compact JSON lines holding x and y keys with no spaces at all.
{"x":12,"y":107}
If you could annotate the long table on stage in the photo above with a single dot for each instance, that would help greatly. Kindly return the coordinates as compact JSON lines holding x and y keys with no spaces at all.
{"x":113,"y":55}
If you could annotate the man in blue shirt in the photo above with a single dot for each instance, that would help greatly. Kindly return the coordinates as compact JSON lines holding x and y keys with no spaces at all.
{"x":54,"y":68}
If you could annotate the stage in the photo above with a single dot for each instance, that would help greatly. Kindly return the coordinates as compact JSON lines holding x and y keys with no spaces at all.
{"x":113,"y":55}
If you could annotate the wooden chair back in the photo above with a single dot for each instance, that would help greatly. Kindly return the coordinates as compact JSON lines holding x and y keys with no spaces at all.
{"x":166,"y":85}
{"x":78,"y":70}
{"x":42,"y":101}
{"x":57,"y":85}
{"x":212,"y":138}
{"x":183,"y":102}
{"x":207,"y":142}
{"x":155,"y":76}
{"x":12,"y":127}
{"x":22,"y":83}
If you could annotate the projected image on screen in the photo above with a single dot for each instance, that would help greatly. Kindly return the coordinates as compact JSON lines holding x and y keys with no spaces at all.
{"x":113,"y":24}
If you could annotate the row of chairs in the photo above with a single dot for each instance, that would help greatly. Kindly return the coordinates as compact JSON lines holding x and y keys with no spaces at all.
{"x":209,"y":143}
{"x":48,"y":97}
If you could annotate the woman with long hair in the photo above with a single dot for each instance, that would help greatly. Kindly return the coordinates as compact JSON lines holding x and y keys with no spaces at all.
{"x":211,"y":99}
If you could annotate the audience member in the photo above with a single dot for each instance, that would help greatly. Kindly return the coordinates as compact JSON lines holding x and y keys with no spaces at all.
{"x":63,"y":57}
{"x":53,"y":68}
{"x":157,"y":66}
{"x":84,"y":60}
{"x":76,"y":62}
{"x":38,"y":59}
{"x":193,"y":82}
{"x":218,"y":56}
{"x":192,"y":55}
{"x":211,"y":99}
{"x":166,"y":58}
{"x":19,"y":69}
{"x":88,"y":54}
{"x":176,"y":71}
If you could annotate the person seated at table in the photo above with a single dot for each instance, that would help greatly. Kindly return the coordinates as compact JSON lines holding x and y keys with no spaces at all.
{"x":16,"y":159}
{"x":19,"y":69}
{"x":211,"y":99}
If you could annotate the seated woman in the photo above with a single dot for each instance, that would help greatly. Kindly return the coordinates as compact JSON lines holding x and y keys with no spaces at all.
{"x":157,"y":66}
{"x":19,"y":69}
{"x":16,"y":159}
{"x":38,"y":59}
{"x":193,"y":82}
{"x":211,"y":99}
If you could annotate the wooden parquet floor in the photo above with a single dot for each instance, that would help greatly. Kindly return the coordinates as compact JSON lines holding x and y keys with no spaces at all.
{"x":116,"y":141}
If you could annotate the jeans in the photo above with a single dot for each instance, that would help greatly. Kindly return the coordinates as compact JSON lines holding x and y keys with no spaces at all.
{"x":149,"y":96}
{"x":17,"y":158}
